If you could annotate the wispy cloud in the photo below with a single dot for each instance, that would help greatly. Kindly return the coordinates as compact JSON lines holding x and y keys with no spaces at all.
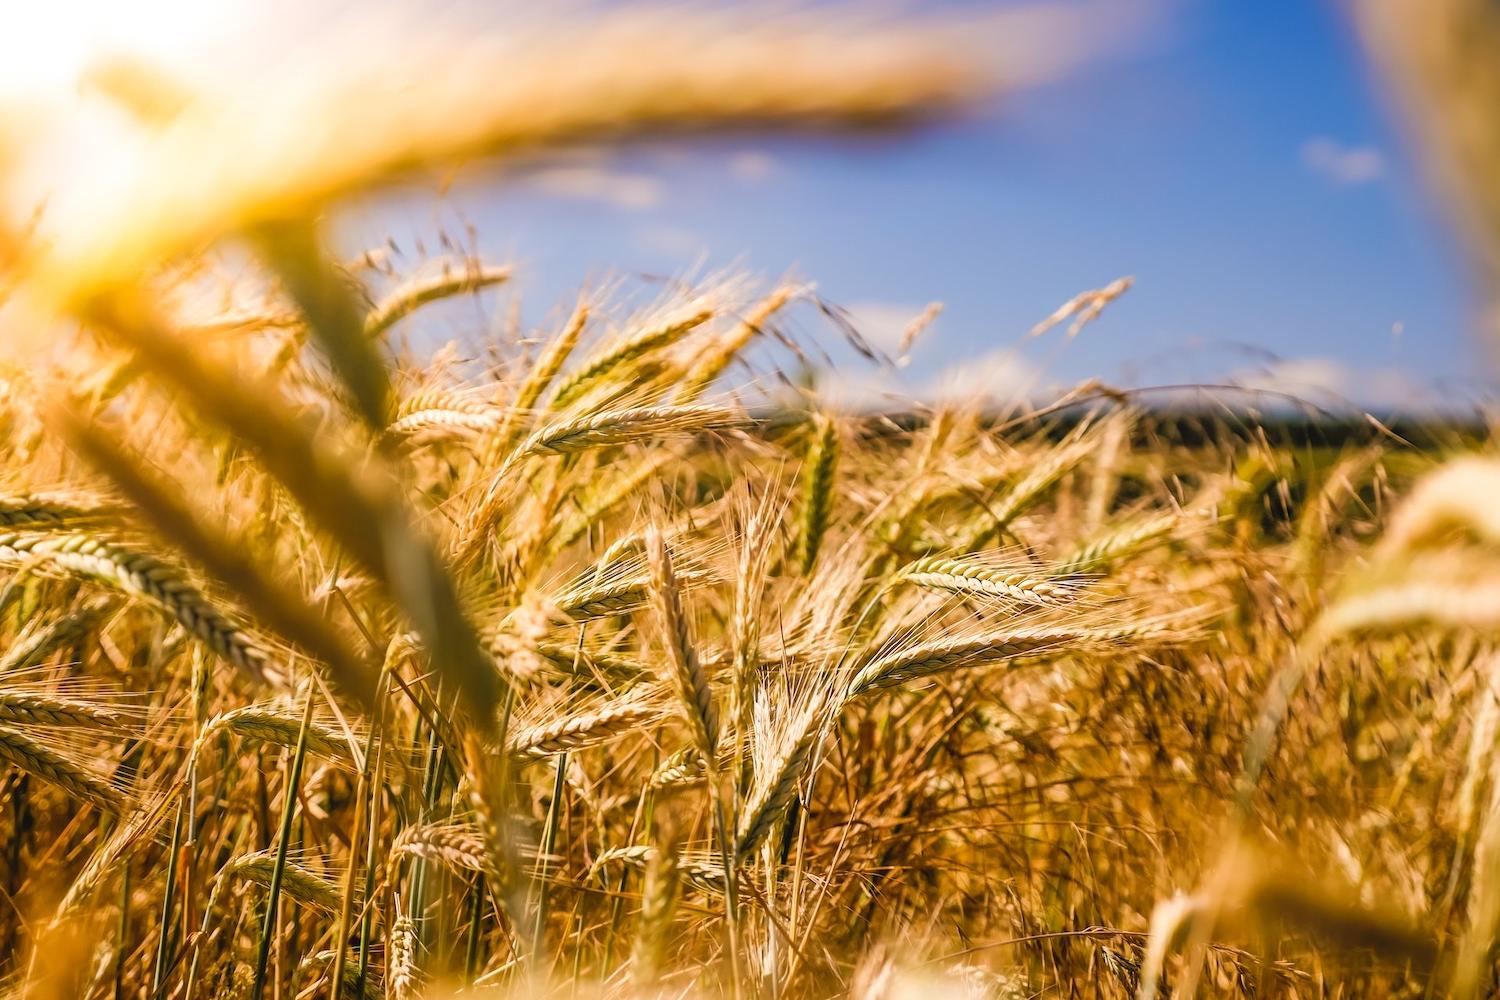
{"x":751,"y":166}
{"x":1341,"y":163}
{"x":1327,"y":381}
{"x":997,"y":378}
{"x":884,"y":324}
{"x":594,"y":182}
{"x":1000,"y":376}
{"x":677,"y":241}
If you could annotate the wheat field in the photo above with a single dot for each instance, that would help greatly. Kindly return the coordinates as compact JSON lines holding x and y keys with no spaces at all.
{"x":609,"y":658}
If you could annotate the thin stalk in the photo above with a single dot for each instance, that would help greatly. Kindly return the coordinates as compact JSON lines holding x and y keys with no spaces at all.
{"x":476,"y":919}
{"x":164,"y":940}
{"x":544,"y":851}
{"x":273,"y":893}
{"x":366,"y":915}
{"x":356,"y":829}
{"x":121,"y":929}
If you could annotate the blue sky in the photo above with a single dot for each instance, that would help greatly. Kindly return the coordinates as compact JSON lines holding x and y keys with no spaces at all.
{"x":1238,"y":162}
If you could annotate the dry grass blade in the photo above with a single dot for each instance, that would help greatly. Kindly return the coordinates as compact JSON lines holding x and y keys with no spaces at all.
{"x":356,"y":501}
{"x":228,"y":166}
{"x":335,"y":316}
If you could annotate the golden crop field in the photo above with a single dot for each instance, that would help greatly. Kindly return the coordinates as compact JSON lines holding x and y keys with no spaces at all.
{"x":590,"y":660}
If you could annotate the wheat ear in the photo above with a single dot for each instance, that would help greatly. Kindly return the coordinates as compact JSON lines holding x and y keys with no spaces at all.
{"x":279,"y":726}
{"x":658,"y":903}
{"x":35,"y":708}
{"x":945,"y":655}
{"x":966,"y":576}
{"x":139,"y":573}
{"x":301,"y":884}
{"x":616,"y":427}
{"x":685,"y":673}
{"x":25,"y":753}
{"x":1115,"y":543}
{"x":412,"y":295}
{"x":585,"y":729}
{"x":34,"y":647}
{"x":627,"y":350}
{"x":460,"y":847}
{"x":52,"y":512}
{"x":817,"y":489}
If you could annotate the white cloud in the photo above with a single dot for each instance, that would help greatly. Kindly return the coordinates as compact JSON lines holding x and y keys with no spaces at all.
{"x":1340,"y":163}
{"x":751,"y":166}
{"x":1324,"y":380}
{"x":675,"y":240}
{"x":861,"y":389}
{"x":1000,"y":376}
{"x":883,"y":324}
{"x":593,"y":182}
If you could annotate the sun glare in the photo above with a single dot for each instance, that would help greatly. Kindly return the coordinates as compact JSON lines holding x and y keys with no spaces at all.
{"x":46,"y":47}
